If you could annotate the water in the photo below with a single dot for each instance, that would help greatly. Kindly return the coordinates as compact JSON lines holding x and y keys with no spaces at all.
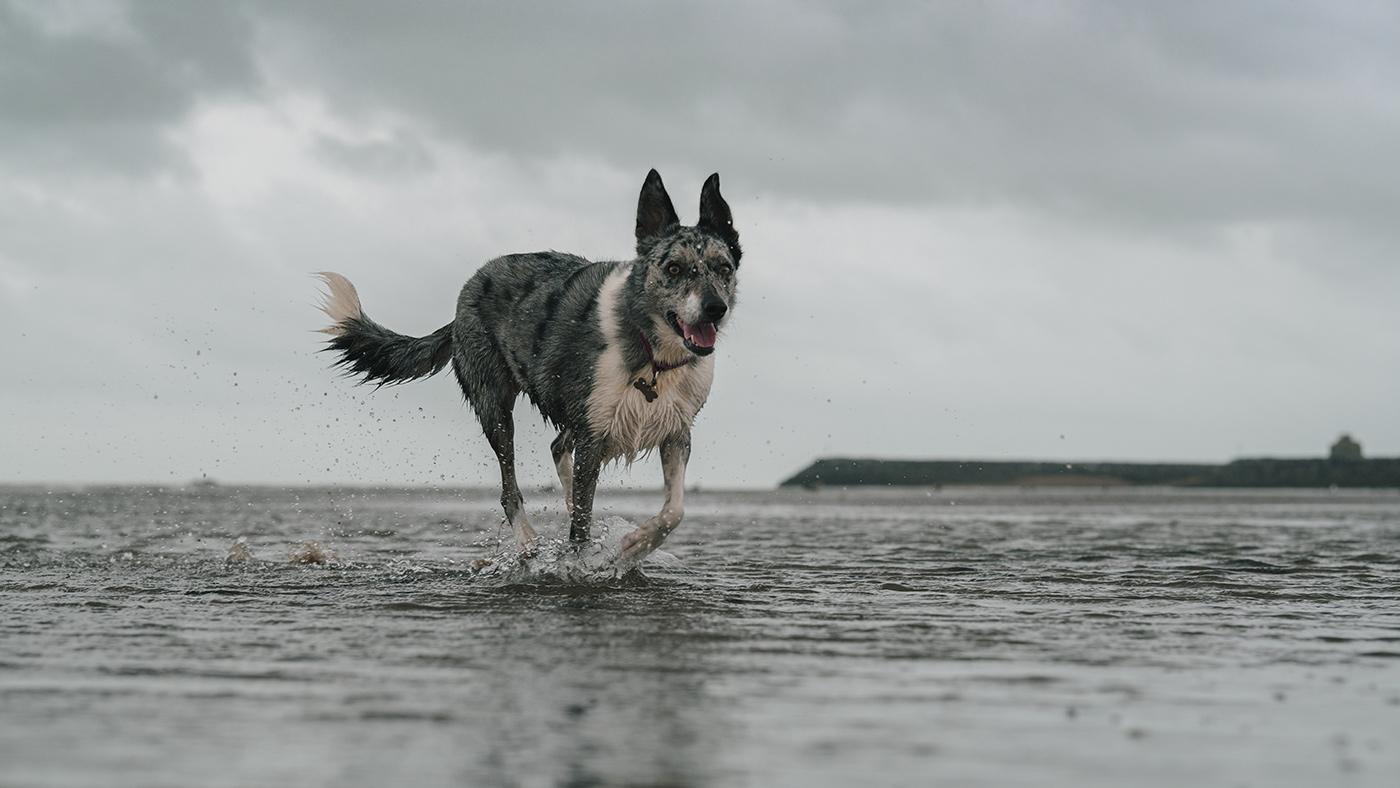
{"x":877,"y":637}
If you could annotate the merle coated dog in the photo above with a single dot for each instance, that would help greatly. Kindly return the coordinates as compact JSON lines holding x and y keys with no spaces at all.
{"x":616,"y":355}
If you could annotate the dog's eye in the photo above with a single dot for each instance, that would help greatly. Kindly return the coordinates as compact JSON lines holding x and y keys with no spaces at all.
{"x":726,"y":269}
{"x":674,"y":269}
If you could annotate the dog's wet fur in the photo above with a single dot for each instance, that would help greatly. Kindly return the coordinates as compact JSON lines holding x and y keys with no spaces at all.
{"x":616,"y":355}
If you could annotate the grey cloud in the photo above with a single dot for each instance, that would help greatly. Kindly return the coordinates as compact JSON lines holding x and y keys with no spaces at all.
{"x":1155,"y":115}
{"x":397,"y":157}
{"x":98,"y":97}
{"x":1079,"y":133}
{"x":1183,"y":112}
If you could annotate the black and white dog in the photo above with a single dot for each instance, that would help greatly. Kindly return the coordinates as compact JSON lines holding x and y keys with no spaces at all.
{"x":616,"y":355}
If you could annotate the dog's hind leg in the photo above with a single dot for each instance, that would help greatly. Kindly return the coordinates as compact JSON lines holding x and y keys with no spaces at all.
{"x":675,"y":453}
{"x":500,"y":432}
{"x":563,"y":451}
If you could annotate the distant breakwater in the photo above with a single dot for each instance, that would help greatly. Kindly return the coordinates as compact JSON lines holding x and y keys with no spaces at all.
{"x":1258,"y":472}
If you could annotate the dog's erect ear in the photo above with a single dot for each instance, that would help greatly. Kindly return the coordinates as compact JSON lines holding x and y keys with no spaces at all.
{"x":715,"y":216}
{"x":654,"y":210}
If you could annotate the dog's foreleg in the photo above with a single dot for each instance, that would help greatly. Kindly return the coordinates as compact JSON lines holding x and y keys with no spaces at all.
{"x":588,"y":460}
{"x":563,"y":451}
{"x":501,"y":435}
{"x":675,"y":453}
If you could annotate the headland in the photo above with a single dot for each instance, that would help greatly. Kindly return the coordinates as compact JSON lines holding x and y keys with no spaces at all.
{"x":1345,"y":467}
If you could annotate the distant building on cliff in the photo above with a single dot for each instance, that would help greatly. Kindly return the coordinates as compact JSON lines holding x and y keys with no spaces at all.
{"x":1346,"y":449}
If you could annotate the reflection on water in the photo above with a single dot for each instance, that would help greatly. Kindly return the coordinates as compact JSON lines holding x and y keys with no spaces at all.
{"x":884,"y":637}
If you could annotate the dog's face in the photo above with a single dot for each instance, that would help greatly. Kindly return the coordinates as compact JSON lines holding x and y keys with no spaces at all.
{"x":690,"y":279}
{"x":689,"y":275}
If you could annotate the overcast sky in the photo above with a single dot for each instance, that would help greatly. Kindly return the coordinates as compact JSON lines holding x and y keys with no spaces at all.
{"x":1019,"y":230}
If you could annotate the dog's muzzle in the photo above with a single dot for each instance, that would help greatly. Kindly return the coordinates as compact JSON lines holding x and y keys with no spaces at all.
{"x":700,"y":337}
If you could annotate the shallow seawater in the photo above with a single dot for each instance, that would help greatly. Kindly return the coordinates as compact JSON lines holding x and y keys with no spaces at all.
{"x":845,"y":637}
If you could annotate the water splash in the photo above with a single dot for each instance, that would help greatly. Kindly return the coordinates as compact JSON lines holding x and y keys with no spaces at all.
{"x":557,"y":562}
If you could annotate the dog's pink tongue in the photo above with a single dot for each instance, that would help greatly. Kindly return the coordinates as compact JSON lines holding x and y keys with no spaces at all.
{"x":702,"y":336}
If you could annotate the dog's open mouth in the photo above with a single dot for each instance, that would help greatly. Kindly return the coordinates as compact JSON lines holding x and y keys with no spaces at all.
{"x":699,"y":339}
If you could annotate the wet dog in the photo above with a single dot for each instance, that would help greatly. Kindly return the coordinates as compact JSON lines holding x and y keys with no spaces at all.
{"x":616,"y":355}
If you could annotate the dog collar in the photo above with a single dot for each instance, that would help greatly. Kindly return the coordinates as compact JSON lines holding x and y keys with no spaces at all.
{"x":661,"y":366}
{"x":657,"y":367}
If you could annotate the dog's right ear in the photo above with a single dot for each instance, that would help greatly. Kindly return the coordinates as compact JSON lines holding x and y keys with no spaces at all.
{"x":654,"y":210}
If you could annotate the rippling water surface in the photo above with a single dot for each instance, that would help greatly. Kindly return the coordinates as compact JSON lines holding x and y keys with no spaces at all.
{"x":876,"y":637}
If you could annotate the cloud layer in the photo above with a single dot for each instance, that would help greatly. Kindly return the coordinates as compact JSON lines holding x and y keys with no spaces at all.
{"x":1159,"y":232}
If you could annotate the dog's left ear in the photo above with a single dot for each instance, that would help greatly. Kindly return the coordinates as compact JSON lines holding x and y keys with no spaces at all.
{"x":715,"y":216}
{"x":654,"y":210}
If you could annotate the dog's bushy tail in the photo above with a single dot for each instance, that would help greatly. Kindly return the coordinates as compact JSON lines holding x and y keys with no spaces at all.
{"x":372,"y":352}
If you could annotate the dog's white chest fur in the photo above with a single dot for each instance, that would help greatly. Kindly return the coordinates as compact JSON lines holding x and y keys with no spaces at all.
{"x":619,"y":412}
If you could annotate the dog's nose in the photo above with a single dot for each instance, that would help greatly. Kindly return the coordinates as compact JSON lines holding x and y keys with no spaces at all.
{"x":714,"y":309}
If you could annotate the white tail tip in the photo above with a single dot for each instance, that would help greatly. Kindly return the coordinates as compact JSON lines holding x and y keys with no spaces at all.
{"x":340,"y":302}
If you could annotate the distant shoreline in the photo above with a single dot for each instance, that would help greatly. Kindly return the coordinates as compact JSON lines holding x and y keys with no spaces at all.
{"x":1252,"y":472}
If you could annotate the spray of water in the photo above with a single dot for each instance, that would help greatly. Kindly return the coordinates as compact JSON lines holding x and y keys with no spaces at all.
{"x":557,"y":562}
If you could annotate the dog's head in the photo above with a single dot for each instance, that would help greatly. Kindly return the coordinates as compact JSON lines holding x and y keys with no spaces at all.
{"x":685,"y":278}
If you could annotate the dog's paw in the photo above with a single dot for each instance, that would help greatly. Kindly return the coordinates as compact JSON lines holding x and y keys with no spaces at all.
{"x":527,"y":542}
{"x":642,"y":541}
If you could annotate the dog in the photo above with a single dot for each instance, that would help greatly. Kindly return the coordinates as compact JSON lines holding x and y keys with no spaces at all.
{"x":618,"y":356}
